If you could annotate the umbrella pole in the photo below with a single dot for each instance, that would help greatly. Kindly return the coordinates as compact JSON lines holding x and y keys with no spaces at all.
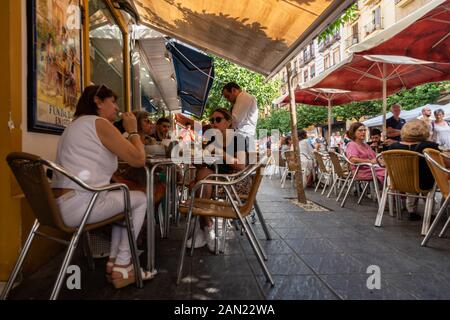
{"x":298,"y":165}
{"x":329,"y":123}
{"x":384,"y":101}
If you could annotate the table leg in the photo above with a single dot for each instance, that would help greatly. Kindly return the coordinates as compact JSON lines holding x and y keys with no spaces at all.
{"x":167,"y":203}
{"x":150,"y":220}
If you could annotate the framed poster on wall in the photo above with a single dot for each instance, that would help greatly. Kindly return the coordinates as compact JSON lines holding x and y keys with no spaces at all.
{"x":54,"y":63}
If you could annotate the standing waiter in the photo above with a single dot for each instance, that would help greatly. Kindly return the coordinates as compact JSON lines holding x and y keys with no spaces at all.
{"x":244,"y":109}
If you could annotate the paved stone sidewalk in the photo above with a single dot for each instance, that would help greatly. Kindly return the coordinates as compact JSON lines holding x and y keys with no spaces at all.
{"x":313,"y":255}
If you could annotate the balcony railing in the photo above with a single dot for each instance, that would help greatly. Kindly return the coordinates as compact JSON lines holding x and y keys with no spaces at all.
{"x":328,"y":42}
{"x":352,"y":40}
{"x":372,"y":26}
{"x":307,"y":57}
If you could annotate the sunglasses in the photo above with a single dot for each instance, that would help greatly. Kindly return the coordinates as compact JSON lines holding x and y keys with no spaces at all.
{"x":215,"y":120}
{"x":99,"y":89}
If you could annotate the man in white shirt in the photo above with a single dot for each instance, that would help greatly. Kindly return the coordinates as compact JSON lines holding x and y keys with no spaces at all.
{"x":426,"y":117}
{"x":244,"y":110}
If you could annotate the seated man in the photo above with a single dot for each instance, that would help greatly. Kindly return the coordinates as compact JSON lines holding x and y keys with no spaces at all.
{"x":162,"y":130}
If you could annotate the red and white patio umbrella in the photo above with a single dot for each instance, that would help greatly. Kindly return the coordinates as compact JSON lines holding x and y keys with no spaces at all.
{"x":382,"y":74}
{"x":385,"y":68}
{"x":330,"y":98}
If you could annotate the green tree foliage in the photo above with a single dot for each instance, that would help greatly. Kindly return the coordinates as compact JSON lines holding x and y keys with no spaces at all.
{"x":309,"y":115}
{"x":349,"y":15}
{"x":357,"y":110}
{"x":419,"y":96}
{"x":255,"y":84}
{"x":279,"y":119}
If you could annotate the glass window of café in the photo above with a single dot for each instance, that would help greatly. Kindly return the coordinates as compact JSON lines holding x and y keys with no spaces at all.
{"x":106,"y":49}
{"x":145,"y":93}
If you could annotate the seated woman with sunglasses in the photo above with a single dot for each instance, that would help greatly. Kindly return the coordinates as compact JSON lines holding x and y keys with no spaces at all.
{"x":234,"y":161}
{"x":358,"y":151}
{"x":89,"y":148}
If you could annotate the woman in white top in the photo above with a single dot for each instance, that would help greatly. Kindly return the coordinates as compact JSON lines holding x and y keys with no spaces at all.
{"x":89,"y":149}
{"x":441,"y":129}
{"x":306,"y":157}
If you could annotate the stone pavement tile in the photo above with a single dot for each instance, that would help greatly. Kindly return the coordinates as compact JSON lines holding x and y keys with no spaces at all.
{"x":392,"y":262}
{"x":279,"y":215}
{"x":271,"y":247}
{"x":422,"y":286}
{"x":337,"y":232}
{"x":261,"y":235}
{"x":281,"y":264}
{"x":168,"y":247}
{"x":284,"y":223}
{"x":359,"y":245}
{"x":168,"y":265}
{"x":298,"y":287}
{"x":226,"y":287}
{"x":220,"y":266}
{"x":319,"y":220}
{"x":354,"y":287}
{"x":312,"y":246}
{"x":333,"y":263}
{"x":257,"y":228}
{"x":277,"y":207}
{"x":297,"y":233}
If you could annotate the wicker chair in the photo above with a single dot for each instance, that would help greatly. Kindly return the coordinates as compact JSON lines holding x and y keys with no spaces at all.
{"x":354,"y":178}
{"x":30,"y":172}
{"x":440,"y":173}
{"x":233,"y":209}
{"x":280,"y":164}
{"x":403,"y":171}
{"x":340,"y":174}
{"x":324,"y":172}
{"x":290,"y":168}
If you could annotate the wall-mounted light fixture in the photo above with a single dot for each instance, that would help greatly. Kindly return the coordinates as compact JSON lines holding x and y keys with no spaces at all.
{"x":172,"y":77}
{"x":167,"y":56}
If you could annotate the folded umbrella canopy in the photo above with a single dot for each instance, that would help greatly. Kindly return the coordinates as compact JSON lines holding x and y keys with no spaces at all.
{"x":424,"y":35}
{"x":195,"y":73}
{"x":330,"y":98}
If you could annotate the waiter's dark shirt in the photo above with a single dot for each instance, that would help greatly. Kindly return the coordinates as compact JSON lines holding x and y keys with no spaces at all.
{"x":426,"y":180}
{"x":394,"y":124}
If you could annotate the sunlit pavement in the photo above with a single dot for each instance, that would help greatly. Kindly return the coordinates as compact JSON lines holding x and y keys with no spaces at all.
{"x":313,"y":255}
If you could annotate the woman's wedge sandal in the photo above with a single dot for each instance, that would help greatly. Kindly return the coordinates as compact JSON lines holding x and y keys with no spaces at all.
{"x":126,"y":279}
{"x":109,"y":267}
